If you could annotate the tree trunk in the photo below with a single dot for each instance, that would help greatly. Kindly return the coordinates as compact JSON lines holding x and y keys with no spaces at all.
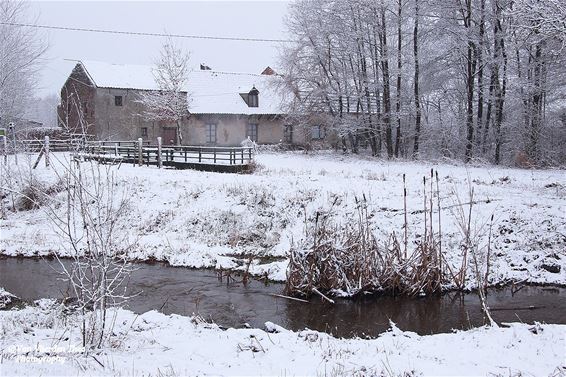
{"x":470,"y":72}
{"x":480,"y":63}
{"x":500,"y":88}
{"x":536,"y":119}
{"x":485,"y":130}
{"x":399,"y":67}
{"x":416,"y":85}
{"x":386,"y":85}
{"x":376,"y":63}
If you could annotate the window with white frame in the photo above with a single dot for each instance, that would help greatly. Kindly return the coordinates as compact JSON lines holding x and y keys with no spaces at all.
{"x":317,"y":132}
{"x":288,"y":134}
{"x":211,"y":133}
{"x":251,"y":131}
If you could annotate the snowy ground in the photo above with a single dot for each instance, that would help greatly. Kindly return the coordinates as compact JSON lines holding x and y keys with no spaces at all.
{"x":40,"y":340}
{"x":202,"y":219}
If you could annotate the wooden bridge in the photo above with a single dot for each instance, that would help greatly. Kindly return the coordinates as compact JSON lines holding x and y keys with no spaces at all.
{"x":219,"y":159}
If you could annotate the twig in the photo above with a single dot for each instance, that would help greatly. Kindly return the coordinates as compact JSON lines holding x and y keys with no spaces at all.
{"x":164,"y":303}
{"x":530,"y":307}
{"x":289,"y":298}
{"x":95,"y":359}
{"x":322,"y":295}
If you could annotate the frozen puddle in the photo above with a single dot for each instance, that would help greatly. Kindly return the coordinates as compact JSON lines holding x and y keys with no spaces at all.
{"x":186,"y":292}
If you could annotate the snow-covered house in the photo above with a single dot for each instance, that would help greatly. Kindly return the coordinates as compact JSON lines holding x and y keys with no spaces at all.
{"x":222,"y":108}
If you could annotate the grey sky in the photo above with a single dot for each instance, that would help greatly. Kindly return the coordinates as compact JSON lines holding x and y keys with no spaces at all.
{"x":233,"y":19}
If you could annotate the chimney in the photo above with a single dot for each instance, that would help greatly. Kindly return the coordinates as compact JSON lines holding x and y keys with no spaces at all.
{"x":268,"y":71}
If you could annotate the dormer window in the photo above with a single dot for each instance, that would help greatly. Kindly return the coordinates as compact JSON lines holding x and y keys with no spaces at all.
{"x":253,"y":97}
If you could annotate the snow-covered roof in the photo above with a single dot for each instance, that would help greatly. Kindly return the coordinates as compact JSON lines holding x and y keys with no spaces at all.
{"x":210,"y":92}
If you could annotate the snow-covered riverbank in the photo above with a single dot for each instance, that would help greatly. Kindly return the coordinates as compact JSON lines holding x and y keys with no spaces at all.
{"x":41,"y":340}
{"x":205,"y":219}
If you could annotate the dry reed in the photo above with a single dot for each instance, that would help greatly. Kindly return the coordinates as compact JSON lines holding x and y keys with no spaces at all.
{"x":348,"y":259}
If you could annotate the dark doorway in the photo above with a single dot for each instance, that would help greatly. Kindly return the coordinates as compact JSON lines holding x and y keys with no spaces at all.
{"x":169,"y":135}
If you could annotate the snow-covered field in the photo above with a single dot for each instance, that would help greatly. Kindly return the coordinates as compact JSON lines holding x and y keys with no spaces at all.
{"x":40,"y":340}
{"x":202,"y":219}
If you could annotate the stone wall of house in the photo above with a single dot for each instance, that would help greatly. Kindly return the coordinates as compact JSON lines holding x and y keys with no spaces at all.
{"x":125,"y":121}
{"x":232,"y":129}
{"x":76,"y":112}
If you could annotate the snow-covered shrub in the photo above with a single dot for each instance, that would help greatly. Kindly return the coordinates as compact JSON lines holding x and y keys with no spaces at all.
{"x":6,"y":298}
{"x":252,"y":167}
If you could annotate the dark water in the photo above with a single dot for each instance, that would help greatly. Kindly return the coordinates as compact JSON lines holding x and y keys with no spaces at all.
{"x":185,"y":291}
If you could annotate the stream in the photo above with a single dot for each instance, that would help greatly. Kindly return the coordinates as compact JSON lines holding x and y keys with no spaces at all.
{"x":187,"y":291}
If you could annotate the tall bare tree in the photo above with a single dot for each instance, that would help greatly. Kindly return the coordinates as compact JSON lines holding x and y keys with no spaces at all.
{"x":21,"y":52}
{"x":170,"y":101}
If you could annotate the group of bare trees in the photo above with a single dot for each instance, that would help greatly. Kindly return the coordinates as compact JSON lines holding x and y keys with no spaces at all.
{"x":454,"y":78}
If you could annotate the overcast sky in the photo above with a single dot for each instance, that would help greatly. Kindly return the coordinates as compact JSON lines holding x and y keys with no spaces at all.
{"x":232,"y":18}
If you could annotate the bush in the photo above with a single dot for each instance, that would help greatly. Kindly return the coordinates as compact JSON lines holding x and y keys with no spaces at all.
{"x":31,"y":196}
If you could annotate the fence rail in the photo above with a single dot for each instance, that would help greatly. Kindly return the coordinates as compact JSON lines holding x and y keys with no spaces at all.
{"x":55,"y":145}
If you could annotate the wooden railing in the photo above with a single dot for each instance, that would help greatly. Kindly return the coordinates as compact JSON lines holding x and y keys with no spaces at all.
{"x":120,"y":143}
{"x":139,"y":153}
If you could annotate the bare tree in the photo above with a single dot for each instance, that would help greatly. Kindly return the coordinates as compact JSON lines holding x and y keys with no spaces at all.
{"x":171,"y":101}
{"x":21,"y":51}
{"x":85,"y":207}
{"x":88,"y":225}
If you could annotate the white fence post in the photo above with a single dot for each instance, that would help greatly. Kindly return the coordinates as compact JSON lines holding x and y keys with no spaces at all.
{"x":159,"y":158}
{"x":140,"y":151}
{"x":46,"y":148}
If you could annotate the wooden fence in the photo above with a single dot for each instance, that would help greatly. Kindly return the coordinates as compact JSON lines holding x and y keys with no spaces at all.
{"x":225,"y":159}
{"x":228,"y":159}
